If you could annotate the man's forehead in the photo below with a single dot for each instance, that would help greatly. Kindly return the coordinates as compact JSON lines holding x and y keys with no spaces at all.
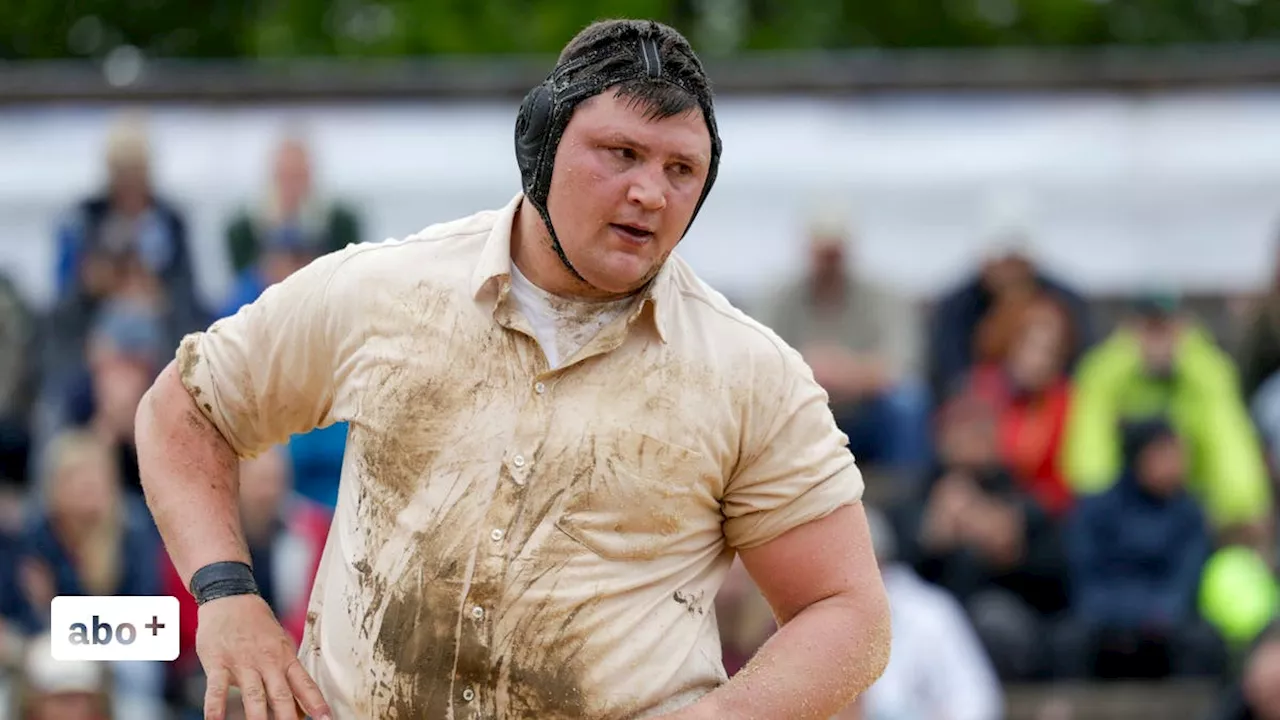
{"x":629,"y":119}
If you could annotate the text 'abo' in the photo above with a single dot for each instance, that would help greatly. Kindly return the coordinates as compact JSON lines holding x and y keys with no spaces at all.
{"x":114,"y":629}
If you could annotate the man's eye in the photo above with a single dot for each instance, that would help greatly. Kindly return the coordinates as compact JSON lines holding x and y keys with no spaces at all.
{"x":625,"y":153}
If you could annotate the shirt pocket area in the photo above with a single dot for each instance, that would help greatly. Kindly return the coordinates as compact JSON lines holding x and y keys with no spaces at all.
{"x":642,"y":497}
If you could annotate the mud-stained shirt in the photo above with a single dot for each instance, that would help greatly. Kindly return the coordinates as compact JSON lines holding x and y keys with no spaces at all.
{"x":512,"y":541}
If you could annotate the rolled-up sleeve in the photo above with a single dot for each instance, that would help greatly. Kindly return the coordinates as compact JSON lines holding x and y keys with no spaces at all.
{"x":797,"y":466}
{"x":273,"y":368}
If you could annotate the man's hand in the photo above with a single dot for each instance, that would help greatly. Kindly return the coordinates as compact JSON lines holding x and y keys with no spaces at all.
{"x":996,"y":529}
{"x":948,"y":505}
{"x":240,"y":642}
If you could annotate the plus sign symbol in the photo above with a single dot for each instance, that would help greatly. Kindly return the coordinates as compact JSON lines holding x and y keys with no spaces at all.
{"x":114,"y":629}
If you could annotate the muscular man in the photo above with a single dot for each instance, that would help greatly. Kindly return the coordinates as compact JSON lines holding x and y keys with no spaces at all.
{"x":559,"y":440}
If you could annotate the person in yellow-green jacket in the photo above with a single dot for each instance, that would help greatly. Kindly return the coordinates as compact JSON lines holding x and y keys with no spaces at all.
{"x":1162,"y":363}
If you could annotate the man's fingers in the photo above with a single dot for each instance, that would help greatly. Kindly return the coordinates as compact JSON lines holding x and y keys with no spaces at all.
{"x":307,"y":692}
{"x":215,"y":695}
{"x":279,"y":695}
{"x":252,"y":693}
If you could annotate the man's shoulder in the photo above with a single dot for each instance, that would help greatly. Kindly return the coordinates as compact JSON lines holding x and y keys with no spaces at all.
{"x":441,"y":250}
{"x":707,"y":314}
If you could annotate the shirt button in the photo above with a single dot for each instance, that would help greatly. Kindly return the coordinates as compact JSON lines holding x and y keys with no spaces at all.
{"x":539,"y":388}
{"x":496,"y":535}
{"x":477,"y":612}
{"x":518,"y":461}
{"x":468,"y":694}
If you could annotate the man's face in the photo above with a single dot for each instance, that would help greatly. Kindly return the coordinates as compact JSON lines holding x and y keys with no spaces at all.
{"x":119,"y":382}
{"x":1162,"y":466}
{"x":1158,"y":339}
{"x":827,"y":256}
{"x":970,"y":441}
{"x":130,"y":187}
{"x":1262,"y":681}
{"x":292,"y":175}
{"x":624,"y":189}
{"x":1007,"y":272}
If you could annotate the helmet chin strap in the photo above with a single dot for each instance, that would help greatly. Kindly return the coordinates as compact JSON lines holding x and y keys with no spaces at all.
{"x":555,"y":243}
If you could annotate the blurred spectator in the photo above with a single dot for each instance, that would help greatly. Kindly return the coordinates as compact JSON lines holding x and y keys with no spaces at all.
{"x":92,"y":538}
{"x":1136,"y":553}
{"x":861,"y":340}
{"x":125,"y":242}
{"x":291,"y":226}
{"x":270,"y":241}
{"x":19,"y":374}
{"x":64,"y":690}
{"x":1032,"y":392}
{"x":975,"y":323}
{"x":1255,"y":694}
{"x":938,"y":669}
{"x":1160,"y":363}
{"x":976,"y":533}
{"x":17,"y":622}
{"x":286,"y":535}
{"x":124,"y":352}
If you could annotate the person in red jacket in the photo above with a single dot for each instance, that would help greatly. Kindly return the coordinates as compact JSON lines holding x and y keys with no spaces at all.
{"x":1031,"y":390}
{"x":286,"y":535}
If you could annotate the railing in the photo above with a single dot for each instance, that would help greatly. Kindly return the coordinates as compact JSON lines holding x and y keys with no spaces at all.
{"x":129,"y":77}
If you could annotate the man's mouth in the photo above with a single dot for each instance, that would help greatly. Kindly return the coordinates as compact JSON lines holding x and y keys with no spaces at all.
{"x":632,"y":232}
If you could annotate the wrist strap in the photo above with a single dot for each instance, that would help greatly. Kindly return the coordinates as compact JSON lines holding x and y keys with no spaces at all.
{"x":222,"y":579}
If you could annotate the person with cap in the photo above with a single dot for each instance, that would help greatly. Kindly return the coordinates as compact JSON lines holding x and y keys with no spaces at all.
{"x":560,"y":438}
{"x":862,"y":341}
{"x":1159,"y":363}
{"x":52,"y":689}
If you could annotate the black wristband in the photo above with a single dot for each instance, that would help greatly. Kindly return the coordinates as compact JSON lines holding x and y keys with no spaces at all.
{"x":222,"y":579}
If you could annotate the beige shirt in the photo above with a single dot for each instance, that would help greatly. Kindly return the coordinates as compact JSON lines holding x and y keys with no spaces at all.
{"x":512,"y":541}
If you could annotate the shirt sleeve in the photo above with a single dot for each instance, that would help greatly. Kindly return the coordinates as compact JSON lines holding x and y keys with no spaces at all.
{"x":798,"y":467}
{"x":277,"y":366}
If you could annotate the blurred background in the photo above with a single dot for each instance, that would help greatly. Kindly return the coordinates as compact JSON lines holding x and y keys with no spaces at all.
{"x":1029,"y":246}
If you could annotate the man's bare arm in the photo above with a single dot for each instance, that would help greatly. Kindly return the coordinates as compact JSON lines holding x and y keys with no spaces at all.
{"x":833,"y":639}
{"x":190,"y":477}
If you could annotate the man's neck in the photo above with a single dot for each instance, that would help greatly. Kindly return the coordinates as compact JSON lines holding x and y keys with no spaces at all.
{"x":532,"y":252}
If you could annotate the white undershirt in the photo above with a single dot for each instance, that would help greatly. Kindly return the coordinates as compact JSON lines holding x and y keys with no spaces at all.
{"x":561,"y":325}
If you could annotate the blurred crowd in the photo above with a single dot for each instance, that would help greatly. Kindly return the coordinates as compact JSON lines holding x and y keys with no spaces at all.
{"x":72,"y":517}
{"x":1058,"y":494}
{"x":1054,"y":495}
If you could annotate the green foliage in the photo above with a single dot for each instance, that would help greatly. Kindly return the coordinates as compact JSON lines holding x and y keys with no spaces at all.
{"x":389,"y":28}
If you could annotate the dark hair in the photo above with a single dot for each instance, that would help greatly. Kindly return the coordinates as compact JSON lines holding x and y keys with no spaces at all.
{"x":683,"y":86}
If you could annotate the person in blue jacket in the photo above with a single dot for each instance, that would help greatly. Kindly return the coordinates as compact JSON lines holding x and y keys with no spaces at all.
{"x":1135,"y":555}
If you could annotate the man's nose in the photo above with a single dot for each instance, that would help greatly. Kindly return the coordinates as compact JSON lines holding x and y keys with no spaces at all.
{"x":649,"y":189}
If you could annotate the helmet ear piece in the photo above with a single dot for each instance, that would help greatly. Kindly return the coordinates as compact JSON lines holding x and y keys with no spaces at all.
{"x":532,"y":125}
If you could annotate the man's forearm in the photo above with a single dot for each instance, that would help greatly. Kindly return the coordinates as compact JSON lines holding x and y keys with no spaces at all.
{"x":190,"y":477}
{"x":813,"y":667}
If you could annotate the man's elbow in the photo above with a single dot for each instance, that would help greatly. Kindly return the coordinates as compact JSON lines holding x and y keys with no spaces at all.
{"x":875,"y":616}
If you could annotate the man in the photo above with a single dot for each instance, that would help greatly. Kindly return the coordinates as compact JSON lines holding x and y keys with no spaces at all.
{"x":862,"y":341}
{"x":1160,"y":362}
{"x":559,"y":438}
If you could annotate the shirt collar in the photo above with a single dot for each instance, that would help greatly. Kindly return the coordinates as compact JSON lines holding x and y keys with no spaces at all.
{"x":491,"y":279}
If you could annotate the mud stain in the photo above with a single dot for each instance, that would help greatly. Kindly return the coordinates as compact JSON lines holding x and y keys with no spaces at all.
{"x":693,"y":602}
